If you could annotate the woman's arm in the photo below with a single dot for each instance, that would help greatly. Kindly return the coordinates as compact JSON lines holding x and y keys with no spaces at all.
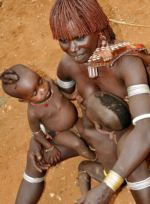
{"x":64,"y":78}
{"x":137,"y":144}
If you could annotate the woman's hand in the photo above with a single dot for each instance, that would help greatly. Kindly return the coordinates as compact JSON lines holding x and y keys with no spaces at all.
{"x":36,"y":155}
{"x":43,"y":139}
{"x":99,"y":195}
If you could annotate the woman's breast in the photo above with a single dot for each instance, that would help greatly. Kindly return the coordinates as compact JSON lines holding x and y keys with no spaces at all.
{"x":105,"y":82}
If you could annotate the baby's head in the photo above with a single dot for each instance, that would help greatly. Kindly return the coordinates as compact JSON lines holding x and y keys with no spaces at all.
{"x":23,"y":83}
{"x":108,"y":111}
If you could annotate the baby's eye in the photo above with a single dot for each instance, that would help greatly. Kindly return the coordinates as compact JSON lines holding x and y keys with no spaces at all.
{"x":35,"y":93}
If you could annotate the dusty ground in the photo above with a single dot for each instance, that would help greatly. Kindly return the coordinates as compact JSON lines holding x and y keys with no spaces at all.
{"x":25,"y":38}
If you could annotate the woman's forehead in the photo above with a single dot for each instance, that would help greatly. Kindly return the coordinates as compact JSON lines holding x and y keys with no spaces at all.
{"x":87,"y":17}
{"x":71,"y":30}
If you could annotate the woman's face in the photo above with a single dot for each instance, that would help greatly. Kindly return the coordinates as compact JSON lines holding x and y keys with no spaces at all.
{"x":80,"y":48}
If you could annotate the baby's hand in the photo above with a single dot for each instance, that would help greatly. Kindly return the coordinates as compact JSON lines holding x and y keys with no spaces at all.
{"x":42,"y":139}
{"x":52,"y":155}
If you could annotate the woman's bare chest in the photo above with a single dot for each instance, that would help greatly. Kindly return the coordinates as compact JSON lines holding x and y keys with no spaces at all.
{"x":107,"y":81}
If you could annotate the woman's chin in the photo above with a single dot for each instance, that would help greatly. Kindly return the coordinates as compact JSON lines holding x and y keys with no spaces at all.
{"x":81,"y":59}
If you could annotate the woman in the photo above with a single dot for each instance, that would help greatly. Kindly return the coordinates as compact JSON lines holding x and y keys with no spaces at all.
{"x":81,"y":27}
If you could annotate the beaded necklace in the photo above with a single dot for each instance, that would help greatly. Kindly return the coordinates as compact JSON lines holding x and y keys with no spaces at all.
{"x":106,"y":56}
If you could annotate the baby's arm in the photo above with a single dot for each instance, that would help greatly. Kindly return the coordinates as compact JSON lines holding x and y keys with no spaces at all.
{"x":40,"y":137}
{"x":88,"y":170}
{"x":36,"y":130}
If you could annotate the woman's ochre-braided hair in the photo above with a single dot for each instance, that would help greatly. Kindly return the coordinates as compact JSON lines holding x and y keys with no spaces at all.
{"x":86,"y":16}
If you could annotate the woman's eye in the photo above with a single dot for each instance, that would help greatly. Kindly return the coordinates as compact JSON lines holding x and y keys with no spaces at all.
{"x":64,"y":41}
{"x":80,"y":38}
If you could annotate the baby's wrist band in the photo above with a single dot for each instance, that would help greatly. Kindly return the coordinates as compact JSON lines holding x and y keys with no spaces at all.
{"x":41,"y":130}
{"x":113,"y":180}
{"x":37,"y":132}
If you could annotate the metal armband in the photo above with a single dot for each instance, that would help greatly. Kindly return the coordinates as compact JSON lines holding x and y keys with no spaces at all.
{"x":65,"y":84}
{"x":138,"y":89}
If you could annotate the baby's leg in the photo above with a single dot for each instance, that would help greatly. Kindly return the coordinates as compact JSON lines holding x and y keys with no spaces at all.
{"x":29,"y":191}
{"x":70,"y":140}
{"x":86,"y":171}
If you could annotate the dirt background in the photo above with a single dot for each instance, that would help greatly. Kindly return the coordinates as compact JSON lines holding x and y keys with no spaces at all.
{"x":25,"y":38}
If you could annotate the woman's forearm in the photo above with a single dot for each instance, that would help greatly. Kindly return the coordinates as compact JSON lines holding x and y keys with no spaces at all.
{"x":135,"y":149}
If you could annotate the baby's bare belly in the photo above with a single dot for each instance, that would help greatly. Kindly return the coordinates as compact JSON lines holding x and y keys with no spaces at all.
{"x":61,"y":120}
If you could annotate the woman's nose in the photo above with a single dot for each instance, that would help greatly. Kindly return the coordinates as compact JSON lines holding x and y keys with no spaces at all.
{"x":73,"y":46}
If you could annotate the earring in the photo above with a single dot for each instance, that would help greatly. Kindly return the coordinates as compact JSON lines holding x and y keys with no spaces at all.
{"x":105,"y":50}
{"x":102,"y":54}
{"x":102,"y":41}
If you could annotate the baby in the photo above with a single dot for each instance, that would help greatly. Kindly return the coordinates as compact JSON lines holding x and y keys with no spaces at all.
{"x":51,"y":116}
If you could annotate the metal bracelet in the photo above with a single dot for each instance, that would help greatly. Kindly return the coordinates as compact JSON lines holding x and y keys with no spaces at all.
{"x":37,"y":132}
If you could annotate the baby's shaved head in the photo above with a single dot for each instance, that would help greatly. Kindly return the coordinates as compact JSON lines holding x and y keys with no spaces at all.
{"x":15,"y":76}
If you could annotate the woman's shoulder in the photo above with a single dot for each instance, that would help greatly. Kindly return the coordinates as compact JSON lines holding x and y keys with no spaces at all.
{"x":66,"y":66}
{"x":131,"y":69}
{"x":67,"y":61}
{"x":129,"y":62}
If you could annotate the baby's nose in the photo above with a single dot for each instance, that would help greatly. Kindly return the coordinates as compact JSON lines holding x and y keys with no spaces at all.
{"x":42,"y":90}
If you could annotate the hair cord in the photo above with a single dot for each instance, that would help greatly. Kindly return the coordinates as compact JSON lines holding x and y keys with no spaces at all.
{"x":9,"y":77}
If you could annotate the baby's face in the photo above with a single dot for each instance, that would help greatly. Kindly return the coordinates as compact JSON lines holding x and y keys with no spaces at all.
{"x":30,"y":87}
{"x":33,"y":88}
